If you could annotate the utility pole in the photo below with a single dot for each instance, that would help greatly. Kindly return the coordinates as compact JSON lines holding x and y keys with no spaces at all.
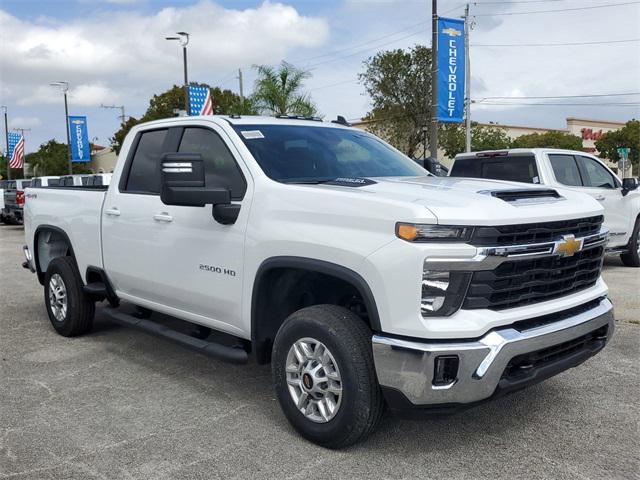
{"x":122,"y":116}
{"x":65,"y":88}
{"x":183,"y":38}
{"x":24,"y":164}
{"x":433,"y":135}
{"x":467,"y":82}
{"x":241,"y":86}
{"x":6,"y":139}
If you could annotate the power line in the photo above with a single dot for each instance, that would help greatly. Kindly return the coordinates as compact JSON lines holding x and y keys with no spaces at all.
{"x":565,"y":96}
{"x":605,"y":104}
{"x":554,"y":11}
{"x":553,"y":44}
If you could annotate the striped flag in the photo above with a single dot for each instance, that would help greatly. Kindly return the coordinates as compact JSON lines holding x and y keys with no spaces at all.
{"x":200,"y":102}
{"x":16,"y":150}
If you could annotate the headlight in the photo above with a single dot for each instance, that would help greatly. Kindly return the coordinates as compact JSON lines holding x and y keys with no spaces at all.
{"x":443,"y":292}
{"x":415,"y":232}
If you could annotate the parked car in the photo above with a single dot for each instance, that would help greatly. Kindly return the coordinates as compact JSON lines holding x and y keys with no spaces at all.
{"x":12,"y":212}
{"x":317,"y":247}
{"x":3,"y":186}
{"x":48,"y":181}
{"x":573,"y":170}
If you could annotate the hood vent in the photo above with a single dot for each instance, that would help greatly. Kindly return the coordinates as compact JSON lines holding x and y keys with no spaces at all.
{"x":526,"y":195}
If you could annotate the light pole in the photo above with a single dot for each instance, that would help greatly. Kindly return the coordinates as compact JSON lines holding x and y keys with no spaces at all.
{"x":433,"y":132}
{"x":183,"y":38}
{"x":64,"y":86}
{"x":6,"y":139}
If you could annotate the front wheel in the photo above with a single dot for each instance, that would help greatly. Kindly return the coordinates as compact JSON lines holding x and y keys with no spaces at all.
{"x":324,"y":376}
{"x":632,"y":257}
{"x":70,"y":310}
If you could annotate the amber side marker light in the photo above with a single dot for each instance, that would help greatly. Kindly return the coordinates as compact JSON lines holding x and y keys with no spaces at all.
{"x":406,"y":232}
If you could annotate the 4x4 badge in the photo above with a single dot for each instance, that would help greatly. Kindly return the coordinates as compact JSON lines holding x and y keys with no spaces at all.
{"x":568,"y":246}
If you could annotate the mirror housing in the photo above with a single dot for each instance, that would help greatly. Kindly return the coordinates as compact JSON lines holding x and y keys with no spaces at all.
{"x":182,"y":181}
{"x":629,"y":184}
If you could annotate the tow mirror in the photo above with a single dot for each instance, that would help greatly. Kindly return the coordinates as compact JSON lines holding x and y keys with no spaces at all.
{"x":183,"y":183}
{"x":629,"y":184}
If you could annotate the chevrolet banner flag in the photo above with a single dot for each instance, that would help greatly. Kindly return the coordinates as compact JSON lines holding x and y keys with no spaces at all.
{"x":80,"y":151}
{"x":450,"y":70}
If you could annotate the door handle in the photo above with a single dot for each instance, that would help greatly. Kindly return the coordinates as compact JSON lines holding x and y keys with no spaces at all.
{"x":112,"y":212}
{"x":163,"y":217}
{"x":600,"y":198}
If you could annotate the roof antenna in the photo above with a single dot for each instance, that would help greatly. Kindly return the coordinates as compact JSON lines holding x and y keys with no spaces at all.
{"x":341,"y":121}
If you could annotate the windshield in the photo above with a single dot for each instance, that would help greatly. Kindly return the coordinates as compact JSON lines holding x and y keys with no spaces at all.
{"x":304,"y":154}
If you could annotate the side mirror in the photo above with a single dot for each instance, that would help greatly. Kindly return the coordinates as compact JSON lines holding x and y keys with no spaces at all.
{"x":183,"y":182}
{"x":629,"y":184}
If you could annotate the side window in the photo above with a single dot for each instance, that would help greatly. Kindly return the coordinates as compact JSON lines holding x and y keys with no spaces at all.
{"x":36,"y":183}
{"x":144,"y":173}
{"x":594,"y":174}
{"x":566,"y":170}
{"x":221,"y":168}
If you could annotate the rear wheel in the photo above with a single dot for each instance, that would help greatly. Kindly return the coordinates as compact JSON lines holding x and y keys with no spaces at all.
{"x":70,"y":310}
{"x":632,"y":257}
{"x":324,"y":376}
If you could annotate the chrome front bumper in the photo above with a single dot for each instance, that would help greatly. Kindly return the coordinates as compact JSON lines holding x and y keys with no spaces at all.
{"x":408,"y":366}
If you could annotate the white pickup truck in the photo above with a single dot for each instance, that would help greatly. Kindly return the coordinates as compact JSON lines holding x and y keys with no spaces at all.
{"x":364,"y":280}
{"x":578,"y":171}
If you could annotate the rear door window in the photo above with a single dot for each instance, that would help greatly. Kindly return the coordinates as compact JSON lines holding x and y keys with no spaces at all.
{"x":566,"y":170}
{"x":514,"y":168}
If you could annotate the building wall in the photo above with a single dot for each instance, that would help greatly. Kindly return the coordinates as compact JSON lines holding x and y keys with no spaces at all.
{"x":103,"y":161}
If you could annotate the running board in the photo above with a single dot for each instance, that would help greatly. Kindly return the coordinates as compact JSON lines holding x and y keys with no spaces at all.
{"x":211,"y":349}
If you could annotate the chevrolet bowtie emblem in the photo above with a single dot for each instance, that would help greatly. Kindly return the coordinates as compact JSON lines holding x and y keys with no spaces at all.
{"x":568,"y":246}
{"x":451,"y":32}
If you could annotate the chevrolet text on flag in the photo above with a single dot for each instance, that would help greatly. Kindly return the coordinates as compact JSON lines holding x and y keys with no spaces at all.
{"x":79,"y":139}
{"x":450,"y":70}
{"x":16,"y":150}
{"x":200,"y":102}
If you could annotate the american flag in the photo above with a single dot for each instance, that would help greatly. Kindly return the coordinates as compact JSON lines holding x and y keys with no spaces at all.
{"x":16,"y":150}
{"x":200,"y":101}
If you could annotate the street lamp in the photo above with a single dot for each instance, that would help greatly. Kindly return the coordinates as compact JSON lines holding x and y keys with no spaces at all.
{"x":183,"y":38}
{"x":64,"y":86}
{"x":6,"y":139}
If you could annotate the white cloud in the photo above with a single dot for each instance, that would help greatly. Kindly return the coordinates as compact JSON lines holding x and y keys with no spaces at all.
{"x":25,"y":122}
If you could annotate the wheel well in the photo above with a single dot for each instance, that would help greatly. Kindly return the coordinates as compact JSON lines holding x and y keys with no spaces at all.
{"x":50,"y":243}
{"x":283,"y":289}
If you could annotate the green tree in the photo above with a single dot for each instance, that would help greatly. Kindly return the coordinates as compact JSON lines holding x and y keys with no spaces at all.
{"x":451,"y":138}
{"x":278,"y":91}
{"x":552,"y":139}
{"x":399,"y":85}
{"x":225,"y":102}
{"x":52,"y":159}
{"x":15,"y":172}
{"x":627,"y":136}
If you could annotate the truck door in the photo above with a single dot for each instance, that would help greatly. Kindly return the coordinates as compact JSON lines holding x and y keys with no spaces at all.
{"x":178,"y":259}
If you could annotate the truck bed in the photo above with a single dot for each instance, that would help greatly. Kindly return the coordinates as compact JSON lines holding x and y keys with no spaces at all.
{"x":76,"y":211}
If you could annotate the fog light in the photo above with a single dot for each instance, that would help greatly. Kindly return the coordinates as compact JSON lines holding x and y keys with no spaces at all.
{"x":445,"y":370}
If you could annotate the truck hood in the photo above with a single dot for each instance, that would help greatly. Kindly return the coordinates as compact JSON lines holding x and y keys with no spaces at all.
{"x":470,"y":201}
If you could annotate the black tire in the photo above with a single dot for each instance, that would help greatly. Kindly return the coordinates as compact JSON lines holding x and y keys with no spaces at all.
{"x":632,"y":257}
{"x":348,"y":339}
{"x":80,"y":309}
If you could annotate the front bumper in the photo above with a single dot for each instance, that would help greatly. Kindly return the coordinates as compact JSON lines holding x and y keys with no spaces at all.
{"x":405,"y":368}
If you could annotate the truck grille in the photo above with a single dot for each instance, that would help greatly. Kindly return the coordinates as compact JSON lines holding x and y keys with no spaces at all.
{"x":535,"y":232}
{"x":522,"y":282}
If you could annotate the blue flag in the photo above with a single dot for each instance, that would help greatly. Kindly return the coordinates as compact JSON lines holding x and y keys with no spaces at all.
{"x":450,"y":70}
{"x":79,"y":136}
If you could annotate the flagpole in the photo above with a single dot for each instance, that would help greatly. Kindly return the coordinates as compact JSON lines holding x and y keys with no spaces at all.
{"x":6,"y":139}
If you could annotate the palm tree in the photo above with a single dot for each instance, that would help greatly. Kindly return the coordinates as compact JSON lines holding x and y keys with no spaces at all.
{"x":278,"y":91}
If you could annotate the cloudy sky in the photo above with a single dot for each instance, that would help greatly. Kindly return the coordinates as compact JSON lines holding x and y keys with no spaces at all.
{"x":113,"y":52}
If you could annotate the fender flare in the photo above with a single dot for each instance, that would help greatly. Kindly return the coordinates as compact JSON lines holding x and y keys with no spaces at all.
{"x":51,"y":228}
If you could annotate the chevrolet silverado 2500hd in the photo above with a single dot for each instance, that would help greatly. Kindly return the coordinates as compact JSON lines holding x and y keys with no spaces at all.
{"x":364,"y":280}
{"x":572,"y":170}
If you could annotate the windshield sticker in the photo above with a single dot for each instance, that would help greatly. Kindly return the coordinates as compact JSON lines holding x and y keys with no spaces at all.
{"x":252,"y":134}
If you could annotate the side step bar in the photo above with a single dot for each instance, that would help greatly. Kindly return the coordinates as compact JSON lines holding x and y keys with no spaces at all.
{"x":211,"y":349}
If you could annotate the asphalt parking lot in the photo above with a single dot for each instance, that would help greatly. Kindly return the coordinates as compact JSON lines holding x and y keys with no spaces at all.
{"x":119,"y":404}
